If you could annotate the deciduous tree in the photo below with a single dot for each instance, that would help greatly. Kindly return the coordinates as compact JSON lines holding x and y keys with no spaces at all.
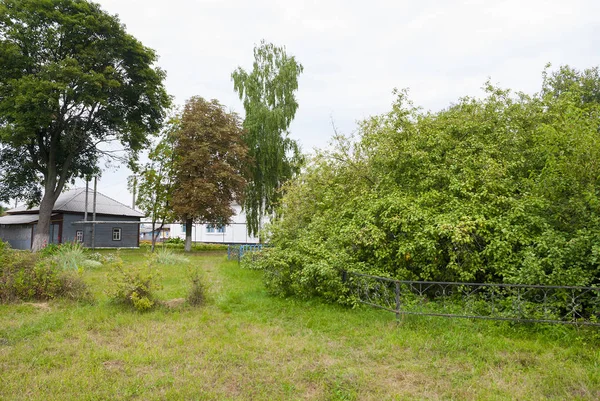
{"x":155,"y":181}
{"x":71,"y":78}
{"x":209,"y":157}
{"x":268,"y":95}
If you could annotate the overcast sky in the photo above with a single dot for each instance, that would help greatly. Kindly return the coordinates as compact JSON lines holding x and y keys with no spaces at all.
{"x":355,"y":52}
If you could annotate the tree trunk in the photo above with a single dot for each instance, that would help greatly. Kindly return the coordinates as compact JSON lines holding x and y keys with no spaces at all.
{"x":41,"y":237}
{"x":153,"y":236}
{"x":188,"y":235}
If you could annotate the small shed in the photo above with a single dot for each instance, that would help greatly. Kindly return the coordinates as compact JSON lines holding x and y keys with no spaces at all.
{"x":116,"y":225}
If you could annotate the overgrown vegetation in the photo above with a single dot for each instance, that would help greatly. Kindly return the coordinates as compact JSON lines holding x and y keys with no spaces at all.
{"x":165,"y":256}
{"x":134,"y":285}
{"x":197,"y":293}
{"x":196,"y":247}
{"x":245,"y":344}
{"x":26,"y":276}
{"x":499,"y":189}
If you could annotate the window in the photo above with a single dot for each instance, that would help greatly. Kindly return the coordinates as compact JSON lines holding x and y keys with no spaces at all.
{"x":79,"y":236}
{"x":116,"y":234}
{"x":215,"y":228}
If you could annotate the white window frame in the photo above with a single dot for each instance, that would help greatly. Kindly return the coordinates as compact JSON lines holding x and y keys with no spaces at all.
{"x":79,"y":236}
{"x":118,"y":231}
{"x":215,"y":228}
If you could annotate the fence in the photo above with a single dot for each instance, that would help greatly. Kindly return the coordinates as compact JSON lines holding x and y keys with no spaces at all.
{"x":526,"y":303}
{"x":237,"y":252}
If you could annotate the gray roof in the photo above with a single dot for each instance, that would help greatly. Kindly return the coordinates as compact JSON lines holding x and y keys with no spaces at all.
{"x":73,"y":201}
{"x":19,"y":219}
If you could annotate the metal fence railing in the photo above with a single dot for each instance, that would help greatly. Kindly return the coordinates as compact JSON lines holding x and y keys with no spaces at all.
{"x":527,"y":303}
{"x":237,"y":252}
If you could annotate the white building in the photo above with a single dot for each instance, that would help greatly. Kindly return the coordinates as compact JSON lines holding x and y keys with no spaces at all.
{"x":234,"y":233}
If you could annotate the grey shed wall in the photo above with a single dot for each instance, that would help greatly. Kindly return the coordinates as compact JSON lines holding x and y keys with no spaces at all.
{"x":17,"y":235}
{"x":129,"y":232}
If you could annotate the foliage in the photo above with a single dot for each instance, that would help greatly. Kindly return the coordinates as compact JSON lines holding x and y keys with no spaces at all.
{"x":209,"y":156}
{"x":165,"y":256}
{"x":197,"y":246}
{"x":134,"y":285}
{"x":175,"y":240}
{"x":499,"y":189}
{"x":26,"y":276}
{"x":197,"y":292}
{"x":70,"y":256}
{"x":49,"y":250}
{"x":154,"y":189}
{"x":268,"y":95}
{"x":70,"y":79}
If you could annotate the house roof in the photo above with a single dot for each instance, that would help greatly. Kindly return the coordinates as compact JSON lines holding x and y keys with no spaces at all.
{"x":19,"y":219}
{"x":73,"y":201}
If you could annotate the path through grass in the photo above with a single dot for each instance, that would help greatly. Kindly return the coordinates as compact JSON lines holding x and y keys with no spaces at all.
{"x":245,"y":344}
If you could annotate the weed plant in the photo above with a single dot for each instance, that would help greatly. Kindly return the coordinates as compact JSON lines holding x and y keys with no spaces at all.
{"x":165,"y":256}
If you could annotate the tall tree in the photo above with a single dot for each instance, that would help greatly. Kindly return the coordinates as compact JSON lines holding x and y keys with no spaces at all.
{"x":155,"y":181}
{"x":268,"y":95}
{"x":209,"y":156}
{"x":71,"y":78}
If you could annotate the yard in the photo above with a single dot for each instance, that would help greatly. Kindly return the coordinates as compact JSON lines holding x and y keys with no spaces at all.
{"x":245,"y":344}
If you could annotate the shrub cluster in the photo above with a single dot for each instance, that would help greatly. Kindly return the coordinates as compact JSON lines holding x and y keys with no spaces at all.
{"x":134,"y":285}
{"x":500,"y":189}
{"x":179,"y":244}
{"x":26,"y":276}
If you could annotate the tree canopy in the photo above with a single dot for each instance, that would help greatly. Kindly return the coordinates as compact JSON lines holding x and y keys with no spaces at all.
{"x":268,"y":95}
{"x":209,"y":157}
{"x":154,"y":180}
{"x":499,"y":189}
{"x":71,"y":78}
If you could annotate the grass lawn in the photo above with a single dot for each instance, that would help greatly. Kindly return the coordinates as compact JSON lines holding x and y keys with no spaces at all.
{"x":245,"y":345}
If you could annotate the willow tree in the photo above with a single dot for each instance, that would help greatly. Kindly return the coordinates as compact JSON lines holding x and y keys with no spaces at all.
{"x":268,"y":95}
{"x":209,"y":155}
{"x":71,"y":78}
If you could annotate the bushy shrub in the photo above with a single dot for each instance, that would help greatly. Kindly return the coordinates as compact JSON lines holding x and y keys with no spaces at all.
{"x":134,"y":285}
{"x":499,"y":189}
{"x":27,"y":276}
{"x":175,"y":240}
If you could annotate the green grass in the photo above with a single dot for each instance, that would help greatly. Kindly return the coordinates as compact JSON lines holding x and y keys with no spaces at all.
{"x":244,"y":344}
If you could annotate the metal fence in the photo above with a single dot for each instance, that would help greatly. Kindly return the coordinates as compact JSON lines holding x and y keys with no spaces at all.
{"x":237,"y":252}
{"x":525,"y":303}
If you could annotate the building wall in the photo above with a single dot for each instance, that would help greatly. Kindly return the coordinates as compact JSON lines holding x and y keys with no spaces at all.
{"x":17,"y":235}
{"x":235,"y":233}
{"x":104,"y":232}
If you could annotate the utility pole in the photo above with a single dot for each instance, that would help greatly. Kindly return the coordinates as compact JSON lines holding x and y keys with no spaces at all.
{"x":94,"y":214}
{"x":85,"y":213}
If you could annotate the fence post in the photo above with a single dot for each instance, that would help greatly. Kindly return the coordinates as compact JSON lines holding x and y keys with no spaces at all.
{"x":228,"y":252}
{"x":397,"y":291}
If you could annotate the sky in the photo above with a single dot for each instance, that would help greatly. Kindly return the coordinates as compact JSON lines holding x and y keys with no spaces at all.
{"x":355,"y":53}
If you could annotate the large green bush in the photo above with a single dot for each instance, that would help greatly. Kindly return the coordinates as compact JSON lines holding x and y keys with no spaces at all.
{"x":499,"y":189}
